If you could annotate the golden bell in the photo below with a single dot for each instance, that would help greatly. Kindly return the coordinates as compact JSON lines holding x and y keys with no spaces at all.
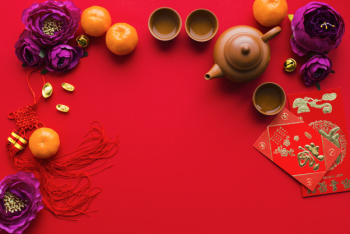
{"x":290,"y":65}
{"x":47,"y":90}
{"x":68,"y":87}
{"x":62,"y":108}
{"x":82,"y":41}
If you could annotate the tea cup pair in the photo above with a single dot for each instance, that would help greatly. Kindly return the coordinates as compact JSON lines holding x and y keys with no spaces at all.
{"x":165,"y":24}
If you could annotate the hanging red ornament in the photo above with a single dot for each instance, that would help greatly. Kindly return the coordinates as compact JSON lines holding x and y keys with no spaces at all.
{"x":66,"y":201}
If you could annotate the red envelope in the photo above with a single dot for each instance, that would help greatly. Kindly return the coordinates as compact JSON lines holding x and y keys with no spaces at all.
{"x":324,"y":111}
{"x":297,"y":148}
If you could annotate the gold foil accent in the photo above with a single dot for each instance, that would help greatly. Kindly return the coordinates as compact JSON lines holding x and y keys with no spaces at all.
{"x":329,"y":96}
{"x":15,"y":135}
{"x":346,"y":183}
{"x":62,"y":108}
{"x":47,"y":90}
{"x":15,"y":143}
{"x":334,"y":185}
{"x":327,"y":126}
{"x":11,"y":140}
{"x":308,"y":135}
{"x":323,"y":187}
{"x":309,"y":191}
{"x":302,"y":103}
{"x":283,"y":151}
{"x":290,"y":65}
{"x":308,"y":155}
{"x":286,"y":142}
{"x":22,"y":140}
{"x":68,"y":87}
{"x":18,"y":146}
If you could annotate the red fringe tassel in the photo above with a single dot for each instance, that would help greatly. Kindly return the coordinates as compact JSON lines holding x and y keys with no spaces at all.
{"x":65,"y":200}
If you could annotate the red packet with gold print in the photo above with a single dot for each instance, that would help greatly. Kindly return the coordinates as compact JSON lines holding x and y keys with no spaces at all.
{"x":324,"y":111}
{"x":298,"y":149}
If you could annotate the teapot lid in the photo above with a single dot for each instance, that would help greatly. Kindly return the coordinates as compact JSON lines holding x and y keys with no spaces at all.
{"x":243,"y":51}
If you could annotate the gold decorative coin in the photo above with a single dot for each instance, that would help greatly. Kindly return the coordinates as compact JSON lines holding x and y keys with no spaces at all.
{"x":290,"y":65}
{"x":68,"y":87}
{"x":83,"y":41}
{"x":47,"y":90}
{"x":62,"y":108}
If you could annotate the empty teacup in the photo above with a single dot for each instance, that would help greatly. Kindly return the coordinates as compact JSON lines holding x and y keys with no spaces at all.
{"x":269,"y":98}
{"x":201,"y":25}
{"x":164,"y":23}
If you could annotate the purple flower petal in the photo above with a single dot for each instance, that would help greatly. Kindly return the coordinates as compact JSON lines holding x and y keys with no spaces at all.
{"x":25,"y":186}
{"x":66,"y":11}
{"x":63,"y":57}
{"x":28,"y":51}
{"x":316,"y":69}
{"x":317,"y":27}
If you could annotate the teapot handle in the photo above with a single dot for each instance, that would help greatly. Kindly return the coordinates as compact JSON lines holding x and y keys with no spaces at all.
{"x":271,"y":34}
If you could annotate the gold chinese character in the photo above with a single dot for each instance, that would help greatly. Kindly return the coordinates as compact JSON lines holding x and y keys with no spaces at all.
{"x":323,"y":187}
{"x":308,"y":156}
{"x":334,"y":185}
{"x":309,"y":191}
{"x":346,"y":183}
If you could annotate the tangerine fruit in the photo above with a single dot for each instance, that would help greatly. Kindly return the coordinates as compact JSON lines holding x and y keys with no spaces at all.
{"x":270,"y":13}
{"x":95,"y":21}
{"x":121,"y":38}
{"x":44,"y":143}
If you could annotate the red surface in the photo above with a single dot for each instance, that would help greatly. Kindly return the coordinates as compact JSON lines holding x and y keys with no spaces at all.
{"x":186,"y":162}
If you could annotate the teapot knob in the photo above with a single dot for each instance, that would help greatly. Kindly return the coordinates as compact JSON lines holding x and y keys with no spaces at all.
{"x":245,"y":49}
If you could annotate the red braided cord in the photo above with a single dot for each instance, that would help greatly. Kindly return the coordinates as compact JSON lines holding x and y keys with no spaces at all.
{"x":26,"y":117}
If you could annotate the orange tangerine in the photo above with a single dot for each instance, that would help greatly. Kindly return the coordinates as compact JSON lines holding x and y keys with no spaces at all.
{"x":95,"y":21}
{"x":44,"y":143}
{"x":121,"y":38}
{"x":270,"y":13}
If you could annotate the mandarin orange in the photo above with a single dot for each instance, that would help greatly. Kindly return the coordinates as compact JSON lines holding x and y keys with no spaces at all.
{"x":95,"y":21}
{"x":44,"y":143}
{"x":270,"y":13}
{"x":121,"y":38}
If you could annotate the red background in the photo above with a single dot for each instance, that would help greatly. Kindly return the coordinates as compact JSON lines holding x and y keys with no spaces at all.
{"x":186,"y":162}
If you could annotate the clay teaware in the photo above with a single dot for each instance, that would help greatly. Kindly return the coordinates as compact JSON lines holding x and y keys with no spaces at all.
{"x":201,"y":25}
{"x":241,"y":54}
{"x":164,"y":23}
{"x":269,"y":98}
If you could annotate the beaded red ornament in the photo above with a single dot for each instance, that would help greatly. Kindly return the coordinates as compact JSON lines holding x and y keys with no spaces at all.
{"x":66,"y":201}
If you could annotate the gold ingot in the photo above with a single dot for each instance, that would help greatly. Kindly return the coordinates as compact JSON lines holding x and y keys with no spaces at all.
{"x":68,"y":87}
{"x":47,"y":90}
{"x":62,"y":108}
{"x":83,"y":41}
{"x":290,"y":65}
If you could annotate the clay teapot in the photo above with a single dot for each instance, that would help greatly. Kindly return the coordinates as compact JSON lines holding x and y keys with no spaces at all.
{"x":241,"y":54}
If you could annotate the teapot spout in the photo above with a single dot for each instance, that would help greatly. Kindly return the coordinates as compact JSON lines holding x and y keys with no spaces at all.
{"x":215,"y":72}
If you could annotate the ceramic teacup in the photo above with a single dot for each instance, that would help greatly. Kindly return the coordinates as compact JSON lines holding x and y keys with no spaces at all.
{"x":201,"y":25}
{"x":164,"y":23}
{"x":269,"y":98}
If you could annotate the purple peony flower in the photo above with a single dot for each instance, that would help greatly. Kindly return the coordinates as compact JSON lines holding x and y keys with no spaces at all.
{"x":28,"y":51}
{"x":63,"y":57}
{"x":316,"y":69}
{"x":51,"y":22}
{"x":317,"y":27}
{"x":20,"y":200}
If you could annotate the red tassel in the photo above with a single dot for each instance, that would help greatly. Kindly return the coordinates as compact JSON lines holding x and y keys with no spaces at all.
{"x":65,"y":200}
